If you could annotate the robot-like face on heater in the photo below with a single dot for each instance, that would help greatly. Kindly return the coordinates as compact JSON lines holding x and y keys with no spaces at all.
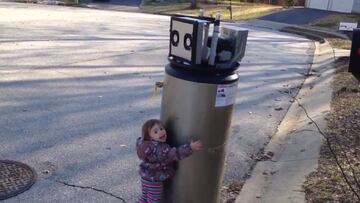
{"x":181,"y":39}
{"x":191,"y":44}
{"x":186,"y":39}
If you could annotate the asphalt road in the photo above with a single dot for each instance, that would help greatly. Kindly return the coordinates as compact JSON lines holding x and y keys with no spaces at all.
{"x":76,"y":85}
{"x":297,"y":16}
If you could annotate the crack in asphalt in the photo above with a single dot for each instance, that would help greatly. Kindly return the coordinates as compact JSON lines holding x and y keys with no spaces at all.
{"x":90,"y":188}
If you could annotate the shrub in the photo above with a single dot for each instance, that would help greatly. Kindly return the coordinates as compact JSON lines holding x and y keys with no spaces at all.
{"x":289,"y":3}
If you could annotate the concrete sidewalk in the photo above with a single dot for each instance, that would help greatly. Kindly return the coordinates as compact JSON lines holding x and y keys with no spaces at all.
{"x":293,"y":151}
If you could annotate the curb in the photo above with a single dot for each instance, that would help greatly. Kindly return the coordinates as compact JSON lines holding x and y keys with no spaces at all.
{"x":293,"y":151}
{"x":303,"y":32}
{"x":296,"y":145}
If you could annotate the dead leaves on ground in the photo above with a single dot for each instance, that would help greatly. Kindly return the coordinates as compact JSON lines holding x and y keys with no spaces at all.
{"x":327,"y":183}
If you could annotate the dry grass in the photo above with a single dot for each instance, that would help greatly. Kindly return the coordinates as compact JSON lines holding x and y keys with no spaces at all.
{"x":241,"y":11}
{"x":332,"y":22}
{"x":327,"y":183}
{"x":339,"y":43}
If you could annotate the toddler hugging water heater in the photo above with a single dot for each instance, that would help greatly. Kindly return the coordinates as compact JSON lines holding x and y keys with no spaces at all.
{"x":199,"y":92}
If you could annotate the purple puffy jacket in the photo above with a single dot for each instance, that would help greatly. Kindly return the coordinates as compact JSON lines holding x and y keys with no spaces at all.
{"x":158,"y":159}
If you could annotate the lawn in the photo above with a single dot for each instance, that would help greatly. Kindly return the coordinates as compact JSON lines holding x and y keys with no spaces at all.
{"x":240,"y":10}
{"x":331,"y":23}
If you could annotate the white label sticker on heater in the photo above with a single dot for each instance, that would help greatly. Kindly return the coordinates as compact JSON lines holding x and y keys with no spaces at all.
{"x":225,"y":95}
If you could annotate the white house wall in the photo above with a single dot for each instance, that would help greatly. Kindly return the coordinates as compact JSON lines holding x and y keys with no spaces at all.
{"x":341,"y":5}
{"x":345,"y":6}
{"x":318,"y":4}
{"x":356,"y":7}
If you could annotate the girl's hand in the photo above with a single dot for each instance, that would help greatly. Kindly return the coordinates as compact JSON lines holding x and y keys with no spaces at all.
{"x":196,"y":145}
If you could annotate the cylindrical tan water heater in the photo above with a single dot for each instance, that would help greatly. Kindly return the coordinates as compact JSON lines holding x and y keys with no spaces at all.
{"x":198,"y":105}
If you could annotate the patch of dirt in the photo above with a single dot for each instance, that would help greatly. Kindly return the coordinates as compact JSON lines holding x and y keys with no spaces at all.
{"x":327,"y":183}
{"x":229,"y":193}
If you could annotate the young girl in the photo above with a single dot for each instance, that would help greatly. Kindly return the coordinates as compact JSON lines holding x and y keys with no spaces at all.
{"x":158,"y":159}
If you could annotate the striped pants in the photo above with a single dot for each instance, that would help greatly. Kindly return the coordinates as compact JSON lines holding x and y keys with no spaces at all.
{"x":151,"y":191}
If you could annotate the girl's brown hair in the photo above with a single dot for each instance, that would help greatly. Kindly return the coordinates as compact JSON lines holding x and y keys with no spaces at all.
{"x":147,"y":127}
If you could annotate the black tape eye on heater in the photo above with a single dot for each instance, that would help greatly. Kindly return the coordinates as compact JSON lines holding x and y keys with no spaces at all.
{"x":192,"y":47}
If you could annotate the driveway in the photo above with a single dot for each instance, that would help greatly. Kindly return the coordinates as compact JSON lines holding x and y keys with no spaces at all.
{"x":76,"y":85}
{"x":297,"y":16}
